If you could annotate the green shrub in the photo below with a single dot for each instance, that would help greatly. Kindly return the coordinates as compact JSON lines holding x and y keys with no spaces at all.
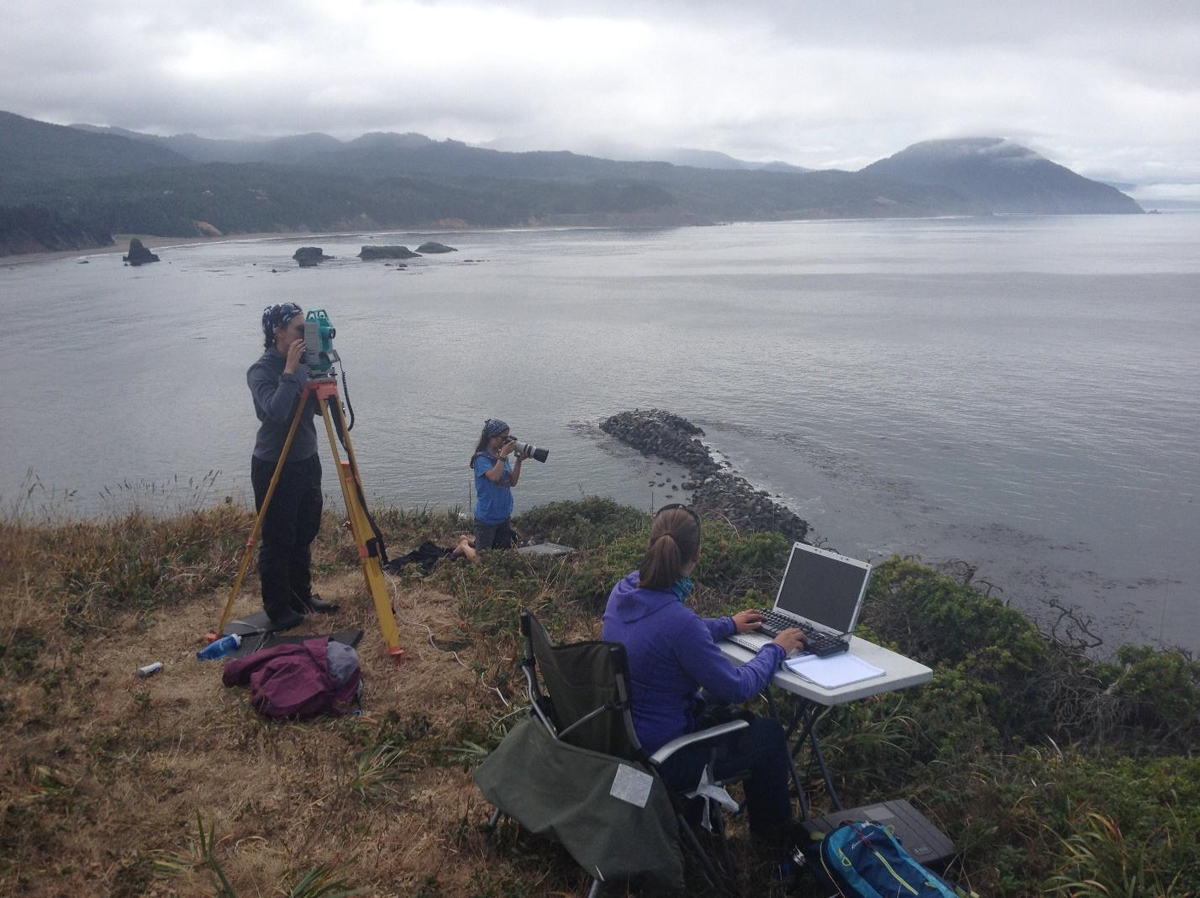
{"x":1159,"y":695}
{"x":941,"y":621}
{"x":587,"y":523}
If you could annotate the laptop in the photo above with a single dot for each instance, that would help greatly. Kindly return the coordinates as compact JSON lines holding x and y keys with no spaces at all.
{"x":822,"y":593}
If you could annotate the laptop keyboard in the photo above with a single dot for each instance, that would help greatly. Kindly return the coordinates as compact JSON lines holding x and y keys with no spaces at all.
{"x":818,"y":642}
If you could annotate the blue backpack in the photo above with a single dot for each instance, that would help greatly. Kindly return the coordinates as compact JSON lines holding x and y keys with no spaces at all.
{"x":864,"y":860}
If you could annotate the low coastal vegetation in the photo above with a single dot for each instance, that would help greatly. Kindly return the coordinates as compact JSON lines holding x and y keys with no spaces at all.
{"x":1057,"y":766}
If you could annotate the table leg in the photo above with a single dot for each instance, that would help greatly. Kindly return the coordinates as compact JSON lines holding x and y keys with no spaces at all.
{"x":809,"y":733}
{"x":791,"y":761}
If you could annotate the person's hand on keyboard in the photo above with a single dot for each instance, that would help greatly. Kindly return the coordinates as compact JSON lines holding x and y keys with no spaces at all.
{"x":791,"y":640}
{"x":748,"y":621}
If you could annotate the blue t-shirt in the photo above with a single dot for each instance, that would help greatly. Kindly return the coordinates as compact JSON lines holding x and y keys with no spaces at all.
{"x":495,"y":502}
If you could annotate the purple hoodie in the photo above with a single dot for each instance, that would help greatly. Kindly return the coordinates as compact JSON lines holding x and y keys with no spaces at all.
{"x":672,"y":652}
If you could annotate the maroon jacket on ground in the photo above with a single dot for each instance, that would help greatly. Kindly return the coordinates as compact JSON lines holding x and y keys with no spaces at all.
{"x":293,"y":680}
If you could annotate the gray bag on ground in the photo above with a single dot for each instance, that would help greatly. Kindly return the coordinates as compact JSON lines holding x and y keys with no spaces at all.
{"x":613,"y":817}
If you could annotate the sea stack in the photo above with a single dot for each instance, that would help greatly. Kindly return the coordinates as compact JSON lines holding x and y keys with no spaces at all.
{"x":386,"y":252}
{"x":310,"y":256}
{"x":138,"y":254}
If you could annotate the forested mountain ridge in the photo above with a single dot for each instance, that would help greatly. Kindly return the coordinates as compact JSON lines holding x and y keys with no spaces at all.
{"x":32,"y":229}
{"x":297,"y":148}
{"x":1002,"y":176}
{"x":124,"y":182}
{"x":37,"y":151}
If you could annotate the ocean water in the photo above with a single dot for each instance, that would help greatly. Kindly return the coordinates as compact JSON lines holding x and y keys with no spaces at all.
{"x":1018,"y":393}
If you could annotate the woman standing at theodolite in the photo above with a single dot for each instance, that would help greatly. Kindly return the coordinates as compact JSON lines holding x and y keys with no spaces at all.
{"x":293,"y":518}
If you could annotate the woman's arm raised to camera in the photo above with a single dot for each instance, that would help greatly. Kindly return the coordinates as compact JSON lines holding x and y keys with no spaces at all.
{"x":496,"y":472}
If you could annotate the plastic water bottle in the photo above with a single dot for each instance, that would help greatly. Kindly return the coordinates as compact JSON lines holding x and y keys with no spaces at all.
{"x":220,"y":648}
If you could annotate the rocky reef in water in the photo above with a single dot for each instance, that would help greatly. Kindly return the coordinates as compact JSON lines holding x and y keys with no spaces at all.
{"x":713,"y":489}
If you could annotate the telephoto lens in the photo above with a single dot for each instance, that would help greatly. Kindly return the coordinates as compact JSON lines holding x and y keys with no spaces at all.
{"x":534,"y":452}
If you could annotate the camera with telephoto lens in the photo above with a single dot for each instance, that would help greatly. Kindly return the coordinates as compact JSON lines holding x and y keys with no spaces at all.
{"x":534,"y":452}
{"x":319,"y":354}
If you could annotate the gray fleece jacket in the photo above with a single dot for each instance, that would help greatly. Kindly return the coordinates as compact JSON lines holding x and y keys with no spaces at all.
{"x":275,"y":397}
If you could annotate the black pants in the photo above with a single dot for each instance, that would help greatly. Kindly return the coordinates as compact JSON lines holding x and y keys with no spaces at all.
{"x":762,"y":752}
{"x":291,"y":524}
{"x":495,"y":536}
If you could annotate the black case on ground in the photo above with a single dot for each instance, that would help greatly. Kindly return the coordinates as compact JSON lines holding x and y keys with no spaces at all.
{"x":925,"y":842}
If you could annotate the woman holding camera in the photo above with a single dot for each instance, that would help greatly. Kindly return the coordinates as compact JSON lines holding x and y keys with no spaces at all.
{"x":495,"y":476}
{"x":672,"y":654}
{"x":277,"y":384}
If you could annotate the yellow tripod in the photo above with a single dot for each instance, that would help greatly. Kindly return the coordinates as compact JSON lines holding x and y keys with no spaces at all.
{"x":325,"y":389}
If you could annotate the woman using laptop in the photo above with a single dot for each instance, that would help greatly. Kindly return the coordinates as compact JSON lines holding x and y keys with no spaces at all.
{"x":673,"y":654}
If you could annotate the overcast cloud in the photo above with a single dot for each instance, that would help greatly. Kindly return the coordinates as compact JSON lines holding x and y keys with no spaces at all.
{"x":1109,"y":89}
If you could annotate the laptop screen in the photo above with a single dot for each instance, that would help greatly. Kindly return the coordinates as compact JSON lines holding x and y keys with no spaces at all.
{"x":823,"y":587}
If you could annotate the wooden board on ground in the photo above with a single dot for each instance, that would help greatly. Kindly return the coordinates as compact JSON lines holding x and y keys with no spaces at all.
{"x":261,"y":641}
{"x":251,"y":624}
{"x":551,"y":549}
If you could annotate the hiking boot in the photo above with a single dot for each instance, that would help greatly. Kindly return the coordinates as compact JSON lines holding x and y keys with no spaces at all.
{"x":317,"y":605}
{"x":789,"y":872}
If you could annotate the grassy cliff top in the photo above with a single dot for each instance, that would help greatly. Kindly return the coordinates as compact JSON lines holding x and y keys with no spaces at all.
{"x":1051,"y":771}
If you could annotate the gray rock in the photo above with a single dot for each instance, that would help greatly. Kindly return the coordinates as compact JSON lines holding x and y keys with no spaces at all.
{"x":386,"y":252}
{"x":432,"y":246}
{"x":310,"y":256}
{"x":138,"y":254}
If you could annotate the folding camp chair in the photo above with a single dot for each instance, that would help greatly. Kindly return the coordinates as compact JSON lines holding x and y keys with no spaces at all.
{"x":575,"y":770}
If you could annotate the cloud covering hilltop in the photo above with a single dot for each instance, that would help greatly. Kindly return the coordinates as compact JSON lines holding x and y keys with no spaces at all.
{"x":1109,"y":90}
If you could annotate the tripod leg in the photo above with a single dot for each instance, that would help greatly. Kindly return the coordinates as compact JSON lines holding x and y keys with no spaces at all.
{"x":262,"y":513}
{"x":360,"y":526}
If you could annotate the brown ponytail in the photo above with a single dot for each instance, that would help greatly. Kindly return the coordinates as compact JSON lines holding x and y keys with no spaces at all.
{"x":674,"y":542}
{"x":480,"y":448}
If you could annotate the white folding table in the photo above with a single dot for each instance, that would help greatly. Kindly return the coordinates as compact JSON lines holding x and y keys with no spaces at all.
{"x":899,"y":673}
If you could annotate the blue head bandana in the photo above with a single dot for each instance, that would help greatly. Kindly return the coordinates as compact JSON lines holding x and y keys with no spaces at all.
{"x":278,"y":315}
{"x":493,"y":427}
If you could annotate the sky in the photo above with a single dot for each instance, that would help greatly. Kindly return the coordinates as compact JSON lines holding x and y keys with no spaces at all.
{"x":1109,"y":89}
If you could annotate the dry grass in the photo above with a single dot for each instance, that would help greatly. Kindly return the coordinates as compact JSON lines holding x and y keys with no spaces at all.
{"x":115,"y":786}
{"x":103,"y":774}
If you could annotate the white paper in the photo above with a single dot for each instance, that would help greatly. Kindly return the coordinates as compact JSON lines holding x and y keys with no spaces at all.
{"x":711,"y":792}
{"x":631,"y":785}
{"x":833,"y":671}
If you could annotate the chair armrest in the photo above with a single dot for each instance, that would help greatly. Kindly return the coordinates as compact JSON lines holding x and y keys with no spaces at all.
{"x":721,"y":729}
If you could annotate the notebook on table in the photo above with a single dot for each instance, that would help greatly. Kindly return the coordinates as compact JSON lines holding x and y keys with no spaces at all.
{"x":822,"y":593}
{"x":833,"y":671}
